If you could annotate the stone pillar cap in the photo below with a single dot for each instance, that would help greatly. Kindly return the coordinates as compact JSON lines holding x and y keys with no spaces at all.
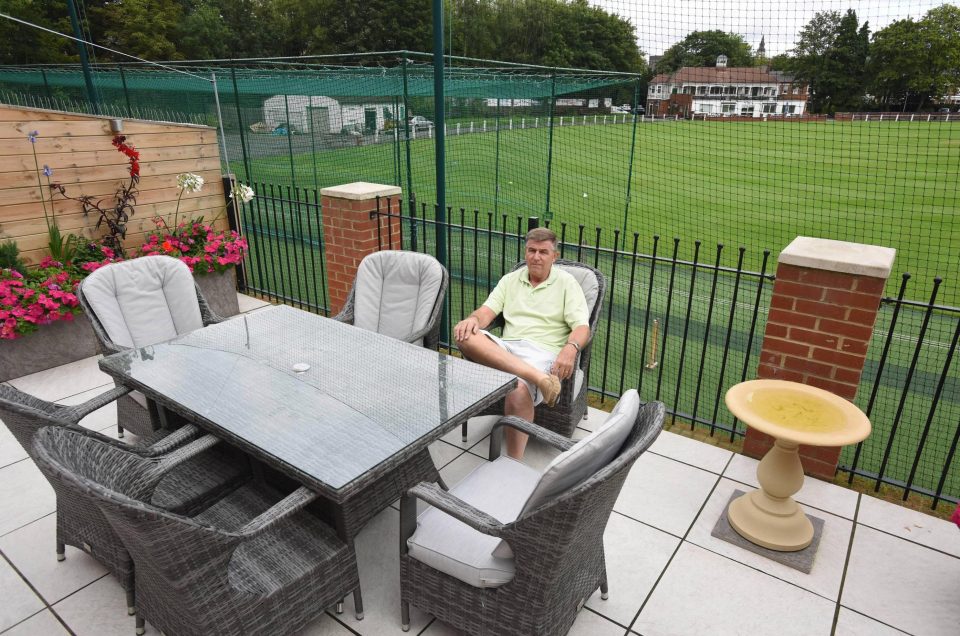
{"x":839,"y":256}
{"x":360,"y":191}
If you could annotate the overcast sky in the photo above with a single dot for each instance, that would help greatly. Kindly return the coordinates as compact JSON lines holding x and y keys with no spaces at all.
{"x":662,"y":23}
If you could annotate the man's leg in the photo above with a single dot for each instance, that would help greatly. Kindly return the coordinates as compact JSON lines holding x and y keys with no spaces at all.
{"x":519,"y":403}
{"x":482,"y":350}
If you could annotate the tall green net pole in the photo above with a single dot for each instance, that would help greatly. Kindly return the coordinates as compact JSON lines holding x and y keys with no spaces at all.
{"x":84,"y":62}
{"x":46,"y":83}
{"x":243,"y":139}
{"x":293,"y":171}
{"x":412,"y":210}
{"x":633,"y":146}
{"x":440,"y":139}
{"x":496,"y":178}
{"x":553,"y":96}
{"x":126,"y":91}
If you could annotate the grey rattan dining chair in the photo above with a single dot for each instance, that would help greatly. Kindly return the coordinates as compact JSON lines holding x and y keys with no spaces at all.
{"x":521,"y":560}
{"x":571,"y":406}
{"x":137,"y":303}
{"x":398,"y":294}
{"x":253,"y":562}
{"x":83,"y":526}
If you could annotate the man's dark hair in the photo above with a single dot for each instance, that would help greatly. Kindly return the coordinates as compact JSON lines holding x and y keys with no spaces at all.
{"x":538,"y":234}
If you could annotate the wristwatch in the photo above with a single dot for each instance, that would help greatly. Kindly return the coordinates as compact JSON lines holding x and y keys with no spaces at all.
{"x":575,"y":345}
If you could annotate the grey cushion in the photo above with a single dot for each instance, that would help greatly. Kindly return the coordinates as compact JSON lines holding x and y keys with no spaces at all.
{"x":583,"y":459}
{"x":144,"y":301}
{"x":588,"y":282}
{"x":498,"y":488}
{"x":395,"y":292}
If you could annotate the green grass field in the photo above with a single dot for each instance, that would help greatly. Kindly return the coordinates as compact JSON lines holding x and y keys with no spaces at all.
{"x":753,"y":184}
{"x":756,"y":185}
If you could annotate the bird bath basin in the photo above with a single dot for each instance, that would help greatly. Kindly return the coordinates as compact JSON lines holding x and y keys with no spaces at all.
{"x":793,"y":414}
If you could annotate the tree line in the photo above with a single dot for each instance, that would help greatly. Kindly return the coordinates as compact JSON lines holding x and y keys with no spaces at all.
{"x":905,"y":66}
{"x":567,"y":33}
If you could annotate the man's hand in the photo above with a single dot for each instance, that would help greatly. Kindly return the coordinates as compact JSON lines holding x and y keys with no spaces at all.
{"x":467,"y":327}
{"x":563,"y":365}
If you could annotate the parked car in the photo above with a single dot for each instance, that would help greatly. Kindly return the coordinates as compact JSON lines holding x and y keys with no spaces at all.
{"x":419,"y":122}
{"x":639,"y":110}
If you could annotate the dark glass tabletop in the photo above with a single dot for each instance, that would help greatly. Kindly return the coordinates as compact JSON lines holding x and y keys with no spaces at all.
{"x":327,"y":401}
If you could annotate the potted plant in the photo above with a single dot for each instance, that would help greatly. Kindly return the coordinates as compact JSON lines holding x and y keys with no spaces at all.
{"x":211,"y":254}
{"x":43,"y":298}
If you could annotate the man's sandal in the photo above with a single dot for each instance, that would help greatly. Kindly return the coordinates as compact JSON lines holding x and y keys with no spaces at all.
{"x":550,"y":388}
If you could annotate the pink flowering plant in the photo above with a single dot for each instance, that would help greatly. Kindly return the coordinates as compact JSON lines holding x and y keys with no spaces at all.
{"x":42,"y":296}
{"x":202,"y":247}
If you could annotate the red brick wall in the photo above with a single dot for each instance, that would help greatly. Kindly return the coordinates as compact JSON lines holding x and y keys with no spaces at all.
{"x":350,"y":232}
{"x":818,"y":329}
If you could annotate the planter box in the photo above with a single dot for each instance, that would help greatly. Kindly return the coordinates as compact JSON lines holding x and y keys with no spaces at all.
{"x":220,"y":290}
{"x":49,"y":346}
{"x":63,"y":342}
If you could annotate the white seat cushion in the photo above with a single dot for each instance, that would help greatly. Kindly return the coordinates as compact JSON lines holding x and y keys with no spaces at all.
{"x":498,"y":488}
{"x":582,"y":460}
{"x":144,"y":301}
{"x":395,"y":292}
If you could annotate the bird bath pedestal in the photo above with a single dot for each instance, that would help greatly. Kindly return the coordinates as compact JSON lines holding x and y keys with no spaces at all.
{"x":793,"y":414}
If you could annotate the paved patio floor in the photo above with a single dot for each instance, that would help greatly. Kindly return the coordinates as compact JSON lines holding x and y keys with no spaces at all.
{"x":881,"y":569}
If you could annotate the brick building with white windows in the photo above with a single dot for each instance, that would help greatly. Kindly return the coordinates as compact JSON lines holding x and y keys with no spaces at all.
{"x":720,"y":91}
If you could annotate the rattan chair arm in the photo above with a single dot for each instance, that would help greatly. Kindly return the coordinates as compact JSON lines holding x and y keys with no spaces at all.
{"x":75,"y":413}
{"x":177,"y":438}
{"x":455,"y":507}
{"x":291,"y":504}
{"x":517,"y":423}
{"x":179,"y":455}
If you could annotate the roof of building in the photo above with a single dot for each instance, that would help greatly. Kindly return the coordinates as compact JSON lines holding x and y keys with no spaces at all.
{"x":723,"y":75}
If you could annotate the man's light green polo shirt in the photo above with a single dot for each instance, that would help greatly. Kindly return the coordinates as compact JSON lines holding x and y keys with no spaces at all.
{"x":545,"y":314}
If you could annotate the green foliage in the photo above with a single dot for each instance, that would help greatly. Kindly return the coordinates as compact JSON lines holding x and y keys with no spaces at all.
{"x":569,"y":33}
{"x":62,"y":247}
{"x":701,"y":48}
{"x":10,"y":257}
{"x":21,"y":45}
{"x":831,"y":55}
{"x":917,"y":60}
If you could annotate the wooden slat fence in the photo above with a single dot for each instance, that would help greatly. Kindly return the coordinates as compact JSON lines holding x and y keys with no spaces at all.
{"x":78,"y":149}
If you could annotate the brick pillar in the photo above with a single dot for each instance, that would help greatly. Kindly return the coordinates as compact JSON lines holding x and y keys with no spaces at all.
{"x":824,"y":305}
{"x":350,"y":232}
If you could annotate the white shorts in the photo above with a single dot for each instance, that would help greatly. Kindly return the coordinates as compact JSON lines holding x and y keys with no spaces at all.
{"x":533,"y":354}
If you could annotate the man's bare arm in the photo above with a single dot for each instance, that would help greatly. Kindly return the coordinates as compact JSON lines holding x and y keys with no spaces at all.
{"x":577,"y":340}
{"x":472,"y":324}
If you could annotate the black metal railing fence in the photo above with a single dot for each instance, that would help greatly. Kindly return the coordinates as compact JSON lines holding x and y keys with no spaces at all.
{"x":681,"y":323}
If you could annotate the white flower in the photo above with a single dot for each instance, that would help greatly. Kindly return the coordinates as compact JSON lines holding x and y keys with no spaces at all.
{"x":189,"y":182}
{"x":245,"y":193}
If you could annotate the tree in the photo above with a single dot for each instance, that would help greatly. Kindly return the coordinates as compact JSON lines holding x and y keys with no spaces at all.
{"x":831,"y":56}
{"x":701,"y":48}
{"x":144,"y":28}
{"x":915,"y":61}
{"x":24,"y":45}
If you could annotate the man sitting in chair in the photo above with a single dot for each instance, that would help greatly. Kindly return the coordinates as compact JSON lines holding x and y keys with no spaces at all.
{"x":546,"y":324}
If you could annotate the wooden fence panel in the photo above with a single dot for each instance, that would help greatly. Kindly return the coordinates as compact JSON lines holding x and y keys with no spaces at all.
{"x":78,"y":149}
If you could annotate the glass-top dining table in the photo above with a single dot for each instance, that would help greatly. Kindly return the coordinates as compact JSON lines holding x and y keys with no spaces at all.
{"x":346,"y":412}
